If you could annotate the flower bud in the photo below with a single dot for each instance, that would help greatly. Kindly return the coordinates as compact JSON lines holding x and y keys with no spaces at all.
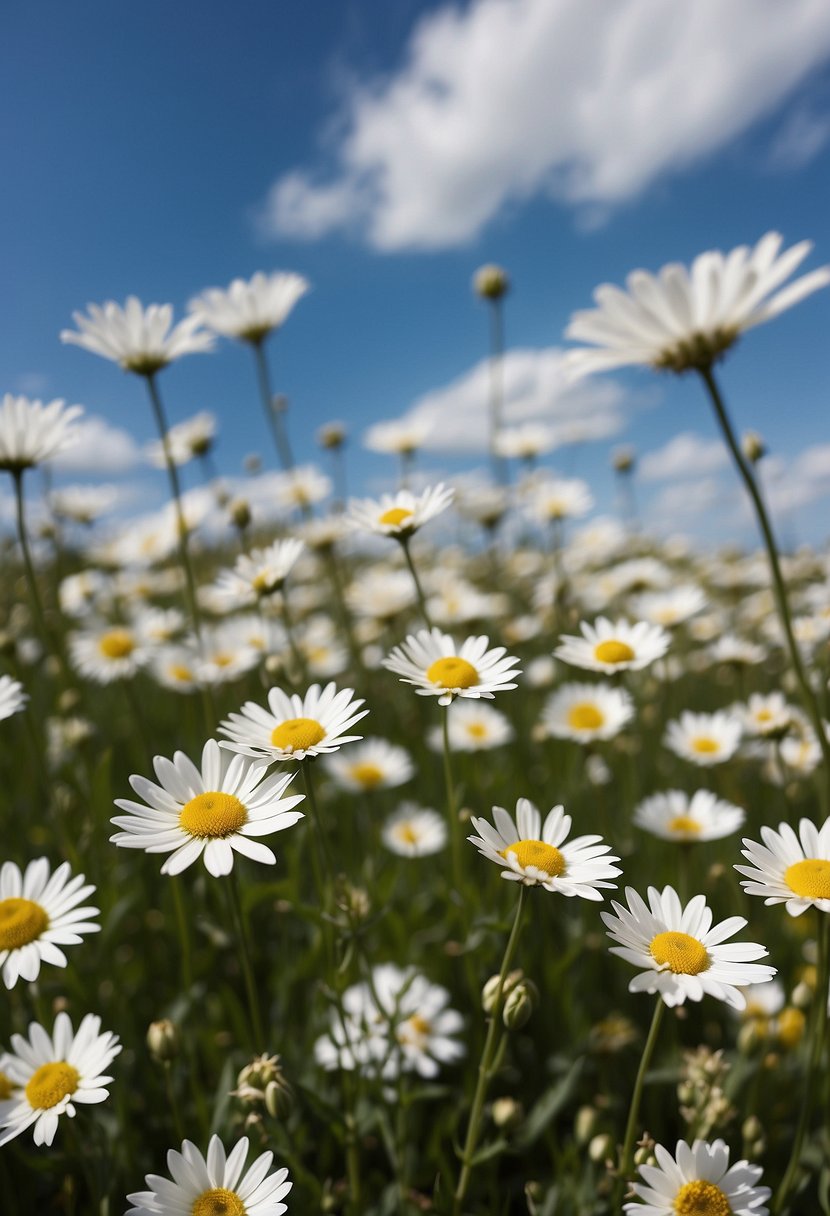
{"x":585,"y":1123}
{"x":491,"y":282}
{"x":279,"y":1098}
{"x":490,"y":989}
{"x":753,"y":446}
{"x":332,"y":436}
{"x":791,"y":1024}
{"x":601,"y":1148}
{"x":240,"y":513}
{"x":519,"y":1005}
{"x":163,"y":1040}
{"x":623,"y":459}
{"x":802,"y":995}
{"x":506,"y":1113}
{"x":751,"y":1036}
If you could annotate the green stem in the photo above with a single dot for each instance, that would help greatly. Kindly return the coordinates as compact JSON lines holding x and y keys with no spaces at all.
{"x":627,"y":1158}
{"x":273,"y":418}
{"x":184,"y":934}
{"x":31,"y":577}
{"x":488,"y":1056}
{"x":419,"y":591}
{"x":779,"y":586}
{"x":498,"y":463}
{"x":452,"y":812}
{"x":327,"y":874}
{"x":247,"y":970}
{"x":172,"y":1101}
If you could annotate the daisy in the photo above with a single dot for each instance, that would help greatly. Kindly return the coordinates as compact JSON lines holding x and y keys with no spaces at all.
{"x":790,"y":869}
{"x":39,"y":913}
{"x":31,"y":432}
{"x":473,"y":726}
{"x":259,"y":574}
{"x":767,"y":715}
{"x":671,"y":607}
{"x":186,"y":440}
{"x":54,"y":1073}
{"x":525,"y":442}
{"x":250,"y":309}
{"x":705,"y":739}
{"x":12,"y":697}
{"x":213,"y":1185}
{"x":414,"y":831}
{"x":584,"y":712}
{"x":210,"y":812}
{"x":373,"y":764}
{"x":673,"y":815}
{"x":613,"y":646}
{"x":224,"y":655}
{"x":108,"y":652}
{"x":302,"y":488}
{"x":681,"y":950}
{"x":699,"y":1180}
{"x":681,"y":320}
{"x":402,"y":514}
{"x":399,"y":438}
{"x":139,"y":339}
{"x":177,"y":668}
{"x":537,"y":854}
{"x":560,"y":498}
{"x":381,"y":594}
{"x":83,"y":504}
{"x":295,"y":727}
{"x":437,"y":667}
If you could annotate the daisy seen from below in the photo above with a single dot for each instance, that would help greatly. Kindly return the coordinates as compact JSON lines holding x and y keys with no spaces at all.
{"x":39,"y":913}
{"x":682,"y":320}
{"x":585,"y":712}
{"x":12,"y":697}
{"x":473,"y":726}
{"x":768,"y":715}
{"x":414,"y":831}
{"x":437,"y":667}
{"x":669,"y":608}
{"x":186,"y":440}
{"x":31,"y":432}
{"x":250,"y":309}
{"x":214,"y":1185}
{"x":52,"y":1074}
{"x":699,"y":1181}
{"x":681,"y":952}
{"x":789,"y":868}
{"x":260,"y":573}
{"x":705,"y":739}
{"x":373,"y":764}
{"x":108,"y":652}
{"x":539,"y":854}
{"x":613,"y":645}
{"x":211,"y":812}
{"x":555,"y":499}
{"x":673,"y":815}
{"x":141,"y":340}
{"x":402,"y":514}
{"x":295,"y":727}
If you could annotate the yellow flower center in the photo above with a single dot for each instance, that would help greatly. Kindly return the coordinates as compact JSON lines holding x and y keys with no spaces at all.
{"x":536,"y":853}
{"x":701,"y":1198}
{"x":417,"y":1025}
{"x":684,"y":825}
{"x":179,"y":672}
{"x":116,"y":644}
{"x":21,"y":921}
{"x":218,"y":1202}
{"x":452,"y":672}
{"x":213,"y":814}
{"x":368,"y":775}
{"x":7,"y":1087}
{"x":263,"y":585}
{"x":809,"y":879}
{"x":395,"y":516}
{"x":705,"y":745}
{"x":763,"y":715}
{"x":585,"y":716}
{"x":791,"y":1024}
{"x":682,"y":954}
{"x":50,"y":1084}
{"x":407,"y":834}
{"x":613,"y":652}
{"x":223,"y":659}
{"x":476,"y":730}
{"x":297,"y":734}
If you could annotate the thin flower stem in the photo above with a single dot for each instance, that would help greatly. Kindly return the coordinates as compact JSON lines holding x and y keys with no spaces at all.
{"x":247,"y":970}
{"x":488,"y":1056}
{"x":452,"y":812}
{"x":290,"y":633}
{"x":31,"y":577}
{"x":819,"y":1033}
{"x":627,"y":1158}
{"x":327,"y":875}
{"x":184,"y":933}
{"x":419,"y":591}
{"x":498,"y":463}
{"x":172,"y":1101}
{"x":273,"y":418}
{"x":751,"y":485}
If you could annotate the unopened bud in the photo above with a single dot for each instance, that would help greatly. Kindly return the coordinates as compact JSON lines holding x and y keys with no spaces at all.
{"x":753,"y":446}
{"x":240,"y":513}
{"x":520,"y":1004}
{"x":585,"y":1123}
{"x":623,"y":459}
{"x":279,"y":1098}
{"x":163,"y":1040}
{"x":751,"y":1036}
{"x":332,"y":435}
{"x":752,"y":1129}
{"x":601,"y":1148}
{"x":491,"y":282}
{"x":506,"y":1113}
{"x":491,"y":988}
{"x":791,"y":1026}
{"x":802,"y":995}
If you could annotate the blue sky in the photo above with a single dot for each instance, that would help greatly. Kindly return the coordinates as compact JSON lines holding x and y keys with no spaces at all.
{"x":142,"y":143}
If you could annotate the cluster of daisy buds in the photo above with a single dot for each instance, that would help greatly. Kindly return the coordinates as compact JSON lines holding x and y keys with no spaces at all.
{"x":262,"y":1084}
{"x":703,"y":1103}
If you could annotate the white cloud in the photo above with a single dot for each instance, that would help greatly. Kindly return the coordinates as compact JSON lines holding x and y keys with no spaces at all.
{"x":800,"y":140}
{"x":585,"y":100}
{"x":456,"y":416}
{"x":685,"y":456}
{"x":100,"y":449}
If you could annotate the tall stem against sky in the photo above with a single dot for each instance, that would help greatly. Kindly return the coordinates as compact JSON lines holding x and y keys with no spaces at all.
{"x":498,"y":463}
{"x":273,"y":414}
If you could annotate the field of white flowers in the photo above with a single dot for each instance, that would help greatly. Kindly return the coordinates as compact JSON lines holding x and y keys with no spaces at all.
{"x":437,"y":853}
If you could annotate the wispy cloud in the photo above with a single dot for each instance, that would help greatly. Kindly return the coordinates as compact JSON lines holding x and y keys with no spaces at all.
{"x":101,"y":450}
{"x":685,"y":456}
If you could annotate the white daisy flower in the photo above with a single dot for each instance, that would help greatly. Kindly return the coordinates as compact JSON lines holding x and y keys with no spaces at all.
{"x":258,"y":574}
{"x":176,"y":668}
{"x":414,"y":831}
{"x":682,"y":951}
{"x":31,"y":432}
{"x":186,"y":440}
{"x":431,"y":661}
{"x":674,"y":815}
{"x":373,"y":764}
{"x":731,"y":649}
{"x":539,"y":854}
{"x":681,"y":320}
{"x":83,"y":504}
{"x":212,"y":812}
{"x":560,"y":498}
{"x":790,"y":869}
{"x":12,"y":697}
{"x":223,"y":655}
{"x":584,"y":712}
{"x":767,"y":714}
{"x":214,"y":1185}
{"x":250,"y":309}
{"x":613,"y":645}
{"x":473,"y":726}
{"x":401,"y":514}
{"x":301,"y":488}
{"x":108,"y":652}
{"x":671,"y":607}
{"x":525,"y":442}
{"x":381,"y":593}
{"x":399,"y":438}
{"x":140,"y":339}
{"x":39,"y":913}
{"x":295,"y":727}
{"x":52,"y":1074}
{"x":698,"y":1181}
{"x":705,"y":739}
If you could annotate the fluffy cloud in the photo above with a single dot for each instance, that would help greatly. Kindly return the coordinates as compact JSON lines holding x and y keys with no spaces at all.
{"x":587,"y":101}
{"x":101,"y":449}
{"x":456,"y":419}
{"x":686,"y":455}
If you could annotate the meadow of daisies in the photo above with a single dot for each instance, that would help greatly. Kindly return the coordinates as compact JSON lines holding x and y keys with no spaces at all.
{"x":441,"y":852}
